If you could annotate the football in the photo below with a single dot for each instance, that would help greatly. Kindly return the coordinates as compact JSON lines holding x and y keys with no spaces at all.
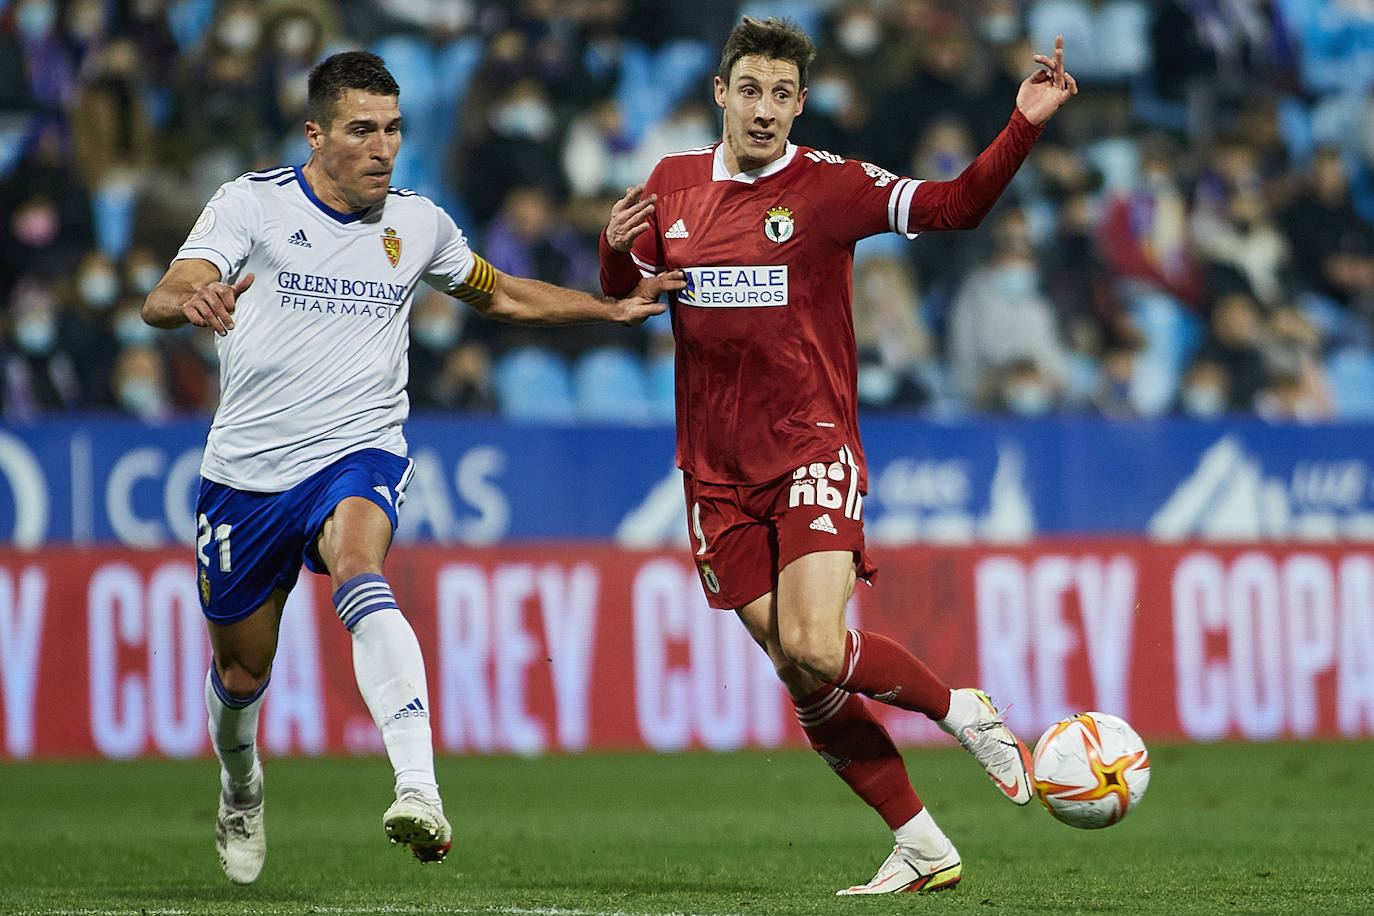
{"x":1090,"y":769}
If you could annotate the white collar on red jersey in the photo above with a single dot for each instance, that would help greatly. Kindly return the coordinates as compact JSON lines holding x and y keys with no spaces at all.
{"x":720,"y":173}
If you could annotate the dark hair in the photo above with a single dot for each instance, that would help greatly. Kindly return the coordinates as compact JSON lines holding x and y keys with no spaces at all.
{"x":346,"y":70}
{"x":771,"y":38}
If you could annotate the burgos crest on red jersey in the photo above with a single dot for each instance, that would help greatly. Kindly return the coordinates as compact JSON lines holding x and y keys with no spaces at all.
{"x":778,"y":225}
{"x":391,"y":242}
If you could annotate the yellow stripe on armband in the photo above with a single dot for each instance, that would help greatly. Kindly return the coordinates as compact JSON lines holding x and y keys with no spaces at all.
{"x":480,"y":282}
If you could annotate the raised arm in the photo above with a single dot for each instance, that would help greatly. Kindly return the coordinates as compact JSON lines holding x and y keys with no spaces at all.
{"x":963,"y":202}
{"x":191,"y":292}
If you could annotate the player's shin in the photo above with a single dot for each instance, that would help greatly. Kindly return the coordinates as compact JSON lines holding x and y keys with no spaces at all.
{"x":842,"y":729}
{"x":233,"y":725}
{"x":391,"y":677}
{"x":883,"y":669}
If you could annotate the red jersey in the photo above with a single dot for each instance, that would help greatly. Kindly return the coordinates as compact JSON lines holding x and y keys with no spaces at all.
{"x":766,"y":360}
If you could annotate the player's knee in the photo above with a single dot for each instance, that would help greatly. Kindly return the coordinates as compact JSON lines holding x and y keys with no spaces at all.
{"x":243,"y":681}
{"x":816,"y":652}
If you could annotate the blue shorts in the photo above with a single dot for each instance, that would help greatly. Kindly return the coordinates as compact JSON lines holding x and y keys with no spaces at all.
{"x":251,"y":544}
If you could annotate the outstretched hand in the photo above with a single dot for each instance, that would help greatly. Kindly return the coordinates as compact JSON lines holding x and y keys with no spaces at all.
{"x":212,"y":305}
{"x":629,"y":218}
{"x":643,"y":303}
{"x":1047,"y":89}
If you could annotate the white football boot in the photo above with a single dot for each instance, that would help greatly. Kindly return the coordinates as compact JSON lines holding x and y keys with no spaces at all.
{"x":992,"y":744}
{"x":907,"y":871}
{"x":419,"y":822}
{"x":241,"y":837}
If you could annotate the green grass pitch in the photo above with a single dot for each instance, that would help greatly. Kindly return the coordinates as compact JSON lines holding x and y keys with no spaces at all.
{"x":1226,"y":828}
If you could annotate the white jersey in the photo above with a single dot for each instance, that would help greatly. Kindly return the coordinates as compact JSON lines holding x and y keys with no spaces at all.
{"x":315,"y":366}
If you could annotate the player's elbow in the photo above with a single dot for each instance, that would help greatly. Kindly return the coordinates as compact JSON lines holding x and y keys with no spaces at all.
{"x":159,"y":311}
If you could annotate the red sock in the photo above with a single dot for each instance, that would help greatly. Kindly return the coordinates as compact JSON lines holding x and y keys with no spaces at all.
{"x":882,"y":669}
{"x":843,"y":731}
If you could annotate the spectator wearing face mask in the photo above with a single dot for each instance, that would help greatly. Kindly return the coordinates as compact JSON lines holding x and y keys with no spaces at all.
{"x":942,"y":259}
{"x":447,"y":370}
{"x":295,"y":34}
{"x":85,"y":327}
{"x":522,"y":137}
{"x":436,"y":325}
{"x":48,"y":63}
{"x":1234,"y":340}
{"x":1205,"y":392}
{"x":36,"y":375}
{"x":837,"y":113}
{"x":140,"y":384}
{"x":45,"y":213}
{"x":223,"y":100}
{"x":1001,"y":318}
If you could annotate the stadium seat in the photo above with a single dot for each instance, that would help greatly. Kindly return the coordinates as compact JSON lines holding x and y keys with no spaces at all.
{"x":681,"y":63}
{"x":533,"y":385}
{"x":660,"y":385}
{"x":189,"y":20}
{"x":1172,"y":333}
{"x":608,"y":385}
{"x":1118,"y":159}
{"x":112,"y":212}
{"x":1350,"y":377}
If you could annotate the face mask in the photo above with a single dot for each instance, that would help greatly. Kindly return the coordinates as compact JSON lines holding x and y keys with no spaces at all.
{"x":239,"y":33}
{"x":436,"y":332}
{"x":529,"y":118}
{"x":98,"y":288}
{"x":1015,"y":281}
{"x":876,"y":385}
{"x":295,"y":36}
{"x":146,"y":277}
{"x":999,"y":28}
{"x":132,"y":331}
{"x":828,"y":97}
{"x":859,"y":35}
{"x":34,"y":20}
{"x":36,"y":335}
{"x":1029,"y":399}
{"x":139,"y":396}
{"x":1203,"y":401}
{"x":87,"y":21}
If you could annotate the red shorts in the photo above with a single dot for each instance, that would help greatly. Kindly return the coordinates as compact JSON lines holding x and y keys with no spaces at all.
{"x":743,"y":536}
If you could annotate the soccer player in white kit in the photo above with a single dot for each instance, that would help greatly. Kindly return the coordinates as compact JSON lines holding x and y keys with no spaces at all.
{"x":307,"y":275}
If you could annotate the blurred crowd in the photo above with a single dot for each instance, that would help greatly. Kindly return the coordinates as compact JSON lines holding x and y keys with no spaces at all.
{"x":1194,"y":233}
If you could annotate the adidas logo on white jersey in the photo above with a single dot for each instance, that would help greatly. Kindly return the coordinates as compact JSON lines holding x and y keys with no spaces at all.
{"x":676,"y":231}
{"x":298,"y":238}
{"x":824,"y":524}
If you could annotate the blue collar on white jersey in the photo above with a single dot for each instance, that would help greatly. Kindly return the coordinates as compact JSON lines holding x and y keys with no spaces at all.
{"x":324,"y":207}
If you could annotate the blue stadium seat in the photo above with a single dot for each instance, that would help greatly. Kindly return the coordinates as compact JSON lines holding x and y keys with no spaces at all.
{"x":608,"y":385}
{"x":1118,"y":159}
{"x":1350,"y":377}
{"x":1172,"y":334}
{"x":533,"y":385}
{"x":112,"y":212}
{"x":189,"y":20}
{"x":659,"y":382}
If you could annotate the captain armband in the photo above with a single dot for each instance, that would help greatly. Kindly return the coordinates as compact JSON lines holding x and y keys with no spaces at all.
{"x":479,"y":284}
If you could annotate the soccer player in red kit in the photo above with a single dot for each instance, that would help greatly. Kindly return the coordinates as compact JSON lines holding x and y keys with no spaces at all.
{"x":767,"y":429}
